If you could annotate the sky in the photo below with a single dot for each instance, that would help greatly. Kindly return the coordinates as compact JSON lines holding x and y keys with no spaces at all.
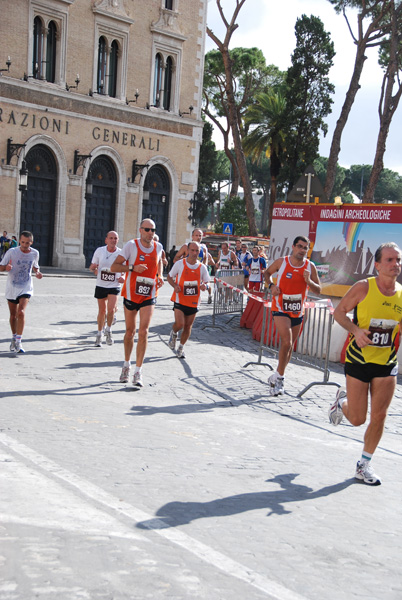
{"x":269,"y":25}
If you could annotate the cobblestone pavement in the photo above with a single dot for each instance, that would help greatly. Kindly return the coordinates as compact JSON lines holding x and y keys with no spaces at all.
{"x":200,"y":485}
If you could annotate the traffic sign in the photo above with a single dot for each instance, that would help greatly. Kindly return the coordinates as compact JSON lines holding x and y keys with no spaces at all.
{"x":228,"y":228}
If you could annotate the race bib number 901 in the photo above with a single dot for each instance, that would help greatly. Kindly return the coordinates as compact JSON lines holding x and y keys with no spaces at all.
{"x":190,"y":288}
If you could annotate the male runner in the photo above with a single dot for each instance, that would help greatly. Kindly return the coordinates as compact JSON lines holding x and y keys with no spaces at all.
{"x":255,"y":266}
{"x":20,"y":262}
{"x":188,"y":278}
{"x":196,"y":236}
{"x":107,"y":286}
{"x":295,"y":275}
{"x":142,"y":260}
{"x":371,"y":361}
{"x":243,"y":257}
{"x":227,"y":259}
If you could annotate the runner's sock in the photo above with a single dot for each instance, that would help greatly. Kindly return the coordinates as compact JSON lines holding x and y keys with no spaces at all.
{"x":366,"y":456}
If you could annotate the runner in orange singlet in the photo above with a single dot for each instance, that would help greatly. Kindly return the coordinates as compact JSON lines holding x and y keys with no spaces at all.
{"x":141,"y":259}
{"x":188,"y":278}
{"x":295,"y":275}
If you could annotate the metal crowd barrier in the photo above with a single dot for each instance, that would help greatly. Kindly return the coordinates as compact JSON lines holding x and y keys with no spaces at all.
{"x":228,"y":298}
{"x":313,"y":343}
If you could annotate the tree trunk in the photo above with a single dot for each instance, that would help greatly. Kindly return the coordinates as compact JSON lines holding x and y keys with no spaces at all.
{"x":264,"y":213}
{"x":374,"y":35}
{"x":274,"y":171}
{"x":238,"y":147}
{"x":387,"y":107}
{"x":354,"y":87}
{"x":223,"y":48}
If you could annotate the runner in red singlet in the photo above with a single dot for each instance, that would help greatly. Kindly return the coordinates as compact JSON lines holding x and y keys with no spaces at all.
{"x":295,"y":275}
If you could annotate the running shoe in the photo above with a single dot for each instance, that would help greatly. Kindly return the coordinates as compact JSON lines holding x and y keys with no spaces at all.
{"x":180,"y":352}
{"x":98,"y":340}
{"x":109,"y":339}
{"x":365,"y":473}
{"x":18,"y":348}
{"x":114,"y":319}
{"x":172,"y":340}
{"x":12,"y":345}
{"x":125,"y":375}
{"x":335,"y":413}
{"x":279,"y":389}
{"x":137,"y":379}
{"x":276,"y":383}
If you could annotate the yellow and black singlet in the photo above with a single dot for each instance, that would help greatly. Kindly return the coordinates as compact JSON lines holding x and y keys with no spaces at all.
{"x":381,"y":315}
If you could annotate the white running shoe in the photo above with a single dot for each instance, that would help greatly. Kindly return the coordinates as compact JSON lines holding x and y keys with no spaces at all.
{"x":335,"y":412}
{"x":98,"y":340}
{"x":114,"y":319}
{"x":125,"y":375}
{"x":13,"y":345}
{"x":180,"y":352}
{"x":18,"y":348}
{"x":277,"y":385}
{"x":365,"y":473}
{"x":109,"y":339}
{"x":172,"y":340}
{"x":137,"y":379}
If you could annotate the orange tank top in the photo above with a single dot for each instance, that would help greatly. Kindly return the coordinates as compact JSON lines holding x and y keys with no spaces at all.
{"x":189,"y":281}
{"x":293,"y":288}
{"x":142,"y":286}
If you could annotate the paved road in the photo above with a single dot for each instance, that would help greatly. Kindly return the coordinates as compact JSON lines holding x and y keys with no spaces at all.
{"x":200,"y":485}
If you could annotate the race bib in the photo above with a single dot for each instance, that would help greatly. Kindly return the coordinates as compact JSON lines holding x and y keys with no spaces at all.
{"x":255,"y":271}
{"x":190,"y":288}
{"x":381,"y":332}
{"x":144,"y":286}
{"x":105,"y":276}
{"x":292,"y":303}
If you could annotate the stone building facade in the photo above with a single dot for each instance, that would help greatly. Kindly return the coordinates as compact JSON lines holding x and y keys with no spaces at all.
{"x":102,"y":104}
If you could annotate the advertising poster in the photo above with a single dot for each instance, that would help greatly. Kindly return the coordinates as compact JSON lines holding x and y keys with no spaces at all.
{"x":346,"y":240}
{"x":288,"y":221}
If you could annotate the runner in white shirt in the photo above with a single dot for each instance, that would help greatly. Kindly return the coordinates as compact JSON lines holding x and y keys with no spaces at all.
{"x":19,"y":263}
{"x":107,"y":286}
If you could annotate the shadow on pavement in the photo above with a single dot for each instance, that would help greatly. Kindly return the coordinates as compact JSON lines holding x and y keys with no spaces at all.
{"x":174,"y":514}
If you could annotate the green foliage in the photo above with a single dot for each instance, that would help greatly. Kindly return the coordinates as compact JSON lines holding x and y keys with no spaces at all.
{"x":267,"y":136}
{"x":206,"y":192}
{"x":355,"y":180}
{"x":308,"y":94}
{"x":233,"y":211}
{"x":250,"y":76}
{"x":389,"y":185}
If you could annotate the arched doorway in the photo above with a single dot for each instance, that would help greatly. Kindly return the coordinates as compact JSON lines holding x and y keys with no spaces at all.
{"x":100,"y":205}
{"x":39,"y":201}
{"x":157,"y":206}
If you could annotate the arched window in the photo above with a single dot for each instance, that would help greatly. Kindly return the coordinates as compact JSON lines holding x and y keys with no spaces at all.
{"x":167,"y":92}
{"x":102,"y":62}
{"x":113,"y":69}
{"x":51,"y":52}
{"x":38,"y":42}
{"x":158,"y":79}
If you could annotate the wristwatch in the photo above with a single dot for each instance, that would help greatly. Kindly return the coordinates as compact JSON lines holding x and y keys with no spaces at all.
{"x":130,"y":268}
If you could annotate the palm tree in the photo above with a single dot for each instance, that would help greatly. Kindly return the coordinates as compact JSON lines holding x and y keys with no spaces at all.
{"x":265,"y":118}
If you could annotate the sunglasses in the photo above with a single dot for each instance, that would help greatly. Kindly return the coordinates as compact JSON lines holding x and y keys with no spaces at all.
{"x":301,"y":247}
{"x":147,"y":229}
